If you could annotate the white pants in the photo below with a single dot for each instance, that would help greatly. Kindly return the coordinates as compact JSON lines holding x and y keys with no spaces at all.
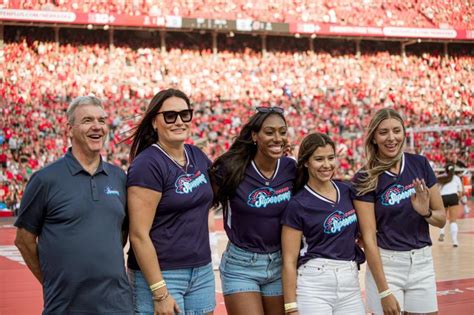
{"x":411,"y":277}
{"x":326,"y":286}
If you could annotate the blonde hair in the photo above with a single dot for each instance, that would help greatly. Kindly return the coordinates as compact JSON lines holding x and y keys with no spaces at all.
{"x":375,"y":165}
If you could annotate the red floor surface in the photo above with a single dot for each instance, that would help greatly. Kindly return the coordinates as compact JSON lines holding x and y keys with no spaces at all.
{"x":20,"y":293}
{"x":456,"y":297}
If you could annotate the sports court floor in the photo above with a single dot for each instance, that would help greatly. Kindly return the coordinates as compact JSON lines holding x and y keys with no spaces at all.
{"x":20,"y":293}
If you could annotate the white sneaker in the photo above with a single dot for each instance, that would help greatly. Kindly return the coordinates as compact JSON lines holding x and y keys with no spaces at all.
{"x":441,"y":237}
{"x":466,"y":209}
{"x":455,"y":242}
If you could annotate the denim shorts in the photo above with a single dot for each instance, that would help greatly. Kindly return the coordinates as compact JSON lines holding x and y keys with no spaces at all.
{"x":244,"y":271}
{"x":411,"y":278}
{"x":192,"y":288}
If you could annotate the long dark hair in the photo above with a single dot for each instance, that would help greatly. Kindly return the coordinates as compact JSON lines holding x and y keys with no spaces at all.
{"x":309,"y":144}
{"x":450,"y":170}
{"x":144,"y":135}
{"x":230,"y":167}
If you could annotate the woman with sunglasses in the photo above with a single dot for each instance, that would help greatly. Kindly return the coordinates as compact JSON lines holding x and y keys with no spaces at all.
{"x":320,"y":273}
{"x":169,"y":196}
{"x":253,"y":182}
{"x":397,"y":199}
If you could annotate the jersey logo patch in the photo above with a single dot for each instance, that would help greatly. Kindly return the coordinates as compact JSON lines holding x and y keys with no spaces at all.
{"x":397,"y":193}
{"x":110,"y":192}
{"x":261,"y":197}
{"x":339,"y":220}
{"x":185,"y":184}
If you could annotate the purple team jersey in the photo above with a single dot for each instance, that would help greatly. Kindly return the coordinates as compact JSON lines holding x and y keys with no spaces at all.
{"x":399,"y":226}
{"x":329,"y":228}
{"x":180,"y":230}
{"x":252,"y":220}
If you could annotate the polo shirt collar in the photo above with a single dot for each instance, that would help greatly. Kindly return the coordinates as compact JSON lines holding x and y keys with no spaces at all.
{"x":75,"y":167}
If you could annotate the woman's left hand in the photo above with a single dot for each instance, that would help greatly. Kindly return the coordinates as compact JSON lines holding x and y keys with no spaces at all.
{"x":420,"y":200}
{"x":360,"y":240}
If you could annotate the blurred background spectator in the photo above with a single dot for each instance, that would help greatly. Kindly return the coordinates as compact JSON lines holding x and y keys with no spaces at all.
{"x":414,"y":13}
{"x":330,"y":90}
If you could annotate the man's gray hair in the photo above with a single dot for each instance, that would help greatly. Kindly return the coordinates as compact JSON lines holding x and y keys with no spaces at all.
{"x":81,"y":101}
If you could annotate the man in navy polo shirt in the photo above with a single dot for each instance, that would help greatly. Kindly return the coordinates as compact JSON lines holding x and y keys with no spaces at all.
{"x":70,"y":223}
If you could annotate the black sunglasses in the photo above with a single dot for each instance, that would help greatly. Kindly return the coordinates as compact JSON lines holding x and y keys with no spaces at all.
{"x":262,"y":109}
{"x":170,"y":116}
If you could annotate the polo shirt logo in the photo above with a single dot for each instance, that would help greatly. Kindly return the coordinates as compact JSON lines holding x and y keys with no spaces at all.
{"x":339,"y":220}
{"x":396,"y":193}
{"x":110,"y":192}
{"x":261,"y":197}
{"x":185,"y":184}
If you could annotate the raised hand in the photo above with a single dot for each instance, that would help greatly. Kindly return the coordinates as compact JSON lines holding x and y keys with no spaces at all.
{"x":420,"y":200}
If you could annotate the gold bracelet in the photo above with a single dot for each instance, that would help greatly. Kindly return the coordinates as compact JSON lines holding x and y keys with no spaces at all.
{"x":157,"y":285}
{"x":290,"y":306}
{"x":161,"y":298}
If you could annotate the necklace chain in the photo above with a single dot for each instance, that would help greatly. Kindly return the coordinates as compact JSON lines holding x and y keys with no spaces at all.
{"x":260,"y":172}
{"x":184,"y":167}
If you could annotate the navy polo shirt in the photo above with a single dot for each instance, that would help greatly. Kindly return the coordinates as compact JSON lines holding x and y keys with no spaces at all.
{"x":399,"y":226}
{"x":329,"y":228}
{"x":78,"y":219}
{"x":179,"y":230}
{"x":252,"y":218}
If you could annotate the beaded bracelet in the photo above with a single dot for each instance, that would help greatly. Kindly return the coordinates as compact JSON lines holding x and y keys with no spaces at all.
{"x":385,"y":293}
{"x":161,"y":298}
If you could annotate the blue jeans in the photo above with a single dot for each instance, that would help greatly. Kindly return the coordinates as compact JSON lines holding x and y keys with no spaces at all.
{"x":244,"y":271}
{"x":192,"y":288}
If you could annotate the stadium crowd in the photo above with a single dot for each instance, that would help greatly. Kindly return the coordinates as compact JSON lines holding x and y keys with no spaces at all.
{"x":327,"y":91}
{"x":421,"y":13}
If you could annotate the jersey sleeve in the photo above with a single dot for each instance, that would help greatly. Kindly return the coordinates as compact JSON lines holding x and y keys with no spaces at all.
{"x":146,"y":171}
{"x":218,"y":175}
{"x":208,"y":160}
{"x":292,"y":215}
{"x":430,"y":177}
{"x":367,"y":197}
{"x":290,"y":167}
{"x":33,"y":206}
{"x":202,"y":155}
